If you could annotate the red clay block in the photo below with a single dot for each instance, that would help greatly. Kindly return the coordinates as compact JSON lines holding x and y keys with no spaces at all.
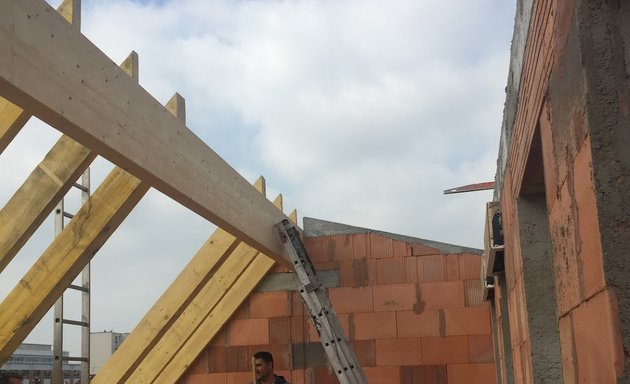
{"x":442,"y":294}
{"x":394,"y":297}
{"x":326,"y":265}
{"x":339,"y":247}
{"x":237,"y":359}
{"x":269,"y":304}
{"x":431,"y":268}
{"x":243,"y":311}
{"x":473,"y":293}
{"x":590,"y":251}
{"x":297,"y":377}
{"x":471,"y":374}
{"x":346,"y":300}
{"x":400,"y":249}
{"x":597,"y":339}
{"x":315,"y":249}
{"x":361,"y":246}
{"x":297,"y":304}
{"x":567,"y":347}
{"x":467,"y":321}
{"x":424,"y":374}
{"x":469,"y":266}
{"x":398,"y":352}
{"x":411,"y":269}
{"x":280,"y":330}
{"x":451,"y":267}
{"x":346,"y":273}
{"x":195,"y":378}
{"x":217,"y":378}
{"x":381,"y":247}
{"x":445,"y":350}
{"x":480,"y":349}
{"x":389,"y":271}
{"x":298,"y":329}
{"x":382,"y":375}
{"x":421,"y":250}
{"x":216,"y":359}
{"x":357,"y":273}
{"x":411,"y":324}
{"x":375,"y":325}
{"x":200,"y":365}
{"x":365,"y":351}
{"x":219,"y":339}
{"x":239,"y":377}
{"x":248,"y":332}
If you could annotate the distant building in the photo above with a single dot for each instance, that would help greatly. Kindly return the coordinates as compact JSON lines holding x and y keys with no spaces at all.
{"x":35,"y":362}
{"x":102,"y":346}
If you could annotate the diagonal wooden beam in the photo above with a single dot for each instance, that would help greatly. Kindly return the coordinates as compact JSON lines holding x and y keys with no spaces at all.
{"x":205,"y":315}
{"x":160,"y":318}
{"x":212,"y":324}
{"x":45,"y":186}
{"x":12,"y":117}
{"x":50,"y":69}
{"x":66,"y":256}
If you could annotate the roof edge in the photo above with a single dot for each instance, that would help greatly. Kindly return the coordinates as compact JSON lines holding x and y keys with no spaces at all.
{"x":317,"y":227}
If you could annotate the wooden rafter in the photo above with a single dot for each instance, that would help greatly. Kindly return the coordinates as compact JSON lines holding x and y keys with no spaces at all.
{"x":50,"y":69}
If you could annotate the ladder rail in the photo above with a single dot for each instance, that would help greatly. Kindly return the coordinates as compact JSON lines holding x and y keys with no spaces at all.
{"x":340,"y":354}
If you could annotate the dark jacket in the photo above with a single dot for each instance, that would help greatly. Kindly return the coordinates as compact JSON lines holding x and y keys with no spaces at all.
{"x":278,"y":380}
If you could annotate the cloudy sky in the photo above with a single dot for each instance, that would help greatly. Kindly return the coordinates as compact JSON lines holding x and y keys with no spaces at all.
{"x":358,"y":111}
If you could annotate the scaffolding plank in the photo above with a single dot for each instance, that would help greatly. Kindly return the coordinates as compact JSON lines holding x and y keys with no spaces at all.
{"x":170,"y":305}
{"x":66,"y":256}
{"x":50,"y":69}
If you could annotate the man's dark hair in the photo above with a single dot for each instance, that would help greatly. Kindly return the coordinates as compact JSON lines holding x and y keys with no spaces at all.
{"x":7,"y":376}
{"x":265,"y":356}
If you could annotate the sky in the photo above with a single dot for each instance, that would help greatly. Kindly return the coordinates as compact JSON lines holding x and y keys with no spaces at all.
{"x":358,"y":111}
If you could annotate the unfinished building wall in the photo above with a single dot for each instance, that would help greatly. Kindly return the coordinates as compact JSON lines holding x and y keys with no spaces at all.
{"x":412,"y":309}
{"x":567,"y":145}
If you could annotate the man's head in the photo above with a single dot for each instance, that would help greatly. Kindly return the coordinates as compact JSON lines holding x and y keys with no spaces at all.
{"x":263,"y":363}
{"x":11,"y":378}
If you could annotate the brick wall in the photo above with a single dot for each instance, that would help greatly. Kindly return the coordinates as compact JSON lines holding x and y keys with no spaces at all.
{"x":413,"y":313}
{"x":572,"y":101}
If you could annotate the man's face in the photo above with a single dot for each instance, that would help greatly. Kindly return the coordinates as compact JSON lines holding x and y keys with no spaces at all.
{"x":263,"y":370}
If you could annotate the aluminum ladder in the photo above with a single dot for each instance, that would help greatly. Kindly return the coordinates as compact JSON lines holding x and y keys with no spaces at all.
{"x":58,"y":376}
{"x":338,"y":350}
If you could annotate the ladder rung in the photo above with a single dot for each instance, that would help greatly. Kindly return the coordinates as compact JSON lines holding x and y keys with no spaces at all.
{"x":79,"y":288}
{"x":68,"y":215}
{"x":74,"y":322}
{"x":81,"y":187}
{"x":71,"y":358}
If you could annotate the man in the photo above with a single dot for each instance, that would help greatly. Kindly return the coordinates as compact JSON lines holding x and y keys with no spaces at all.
{"x":263,"y":367}
{"x":11,"y":378}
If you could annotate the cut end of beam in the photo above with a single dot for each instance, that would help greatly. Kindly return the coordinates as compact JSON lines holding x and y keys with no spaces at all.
{"x":278,"y":201}
{"x":130,"y":65}
{"x":71,"y":11}
{"x":261,"y":185}
{"x":177,"y":106}
{"x":293,"y":216}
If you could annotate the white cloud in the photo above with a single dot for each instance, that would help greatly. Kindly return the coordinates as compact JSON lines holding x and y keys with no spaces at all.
{"x":358,"y":111}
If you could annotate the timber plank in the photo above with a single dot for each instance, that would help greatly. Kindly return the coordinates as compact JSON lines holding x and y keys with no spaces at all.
{"x":49,"y":68}
{"x":12,"y":117}
{"x":66,"y":256}
{"x":159,"y":319}
{"x":213,"y":323}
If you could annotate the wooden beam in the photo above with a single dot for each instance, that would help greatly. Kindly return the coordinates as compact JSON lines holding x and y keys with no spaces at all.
{"x":67,"y":255}
{"x":204,"y":303}
{"x":45,"y":186}
{"x":52,"y":70}
{"x":171,"y":304}
{"x":206,"y":315}
{"x":212,"y":324}
{"x":12,"y":117}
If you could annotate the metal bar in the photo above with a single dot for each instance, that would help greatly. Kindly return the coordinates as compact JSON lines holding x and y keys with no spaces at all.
{"x":78,"y":288}
{"x":72,"y":358}
{"x":75,"y":322}
{"x":81,"y":187}
{"x":57,"y":369}
{"x":85,"y":296}
{"x":470,"y":188}
{"x":68,"y":215}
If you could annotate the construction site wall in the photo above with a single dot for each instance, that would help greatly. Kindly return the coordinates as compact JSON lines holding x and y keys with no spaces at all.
{"x":413,"y":312}
{"x":562,"y":305}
